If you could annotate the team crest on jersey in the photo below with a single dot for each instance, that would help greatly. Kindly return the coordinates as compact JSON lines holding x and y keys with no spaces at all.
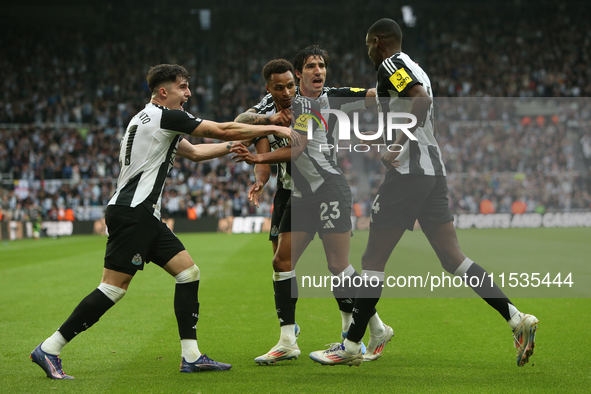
{"x":400,"y":79}
{"x":137,"y":259}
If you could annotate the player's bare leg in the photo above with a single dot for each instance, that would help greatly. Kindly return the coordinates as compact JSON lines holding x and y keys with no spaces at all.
{"x":444,"y":241}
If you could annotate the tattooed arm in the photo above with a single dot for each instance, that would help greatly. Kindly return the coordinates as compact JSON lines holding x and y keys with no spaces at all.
{"x":282,"y":118}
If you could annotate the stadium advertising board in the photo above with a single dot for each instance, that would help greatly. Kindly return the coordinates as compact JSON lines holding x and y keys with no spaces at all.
{"x":526,"y":220}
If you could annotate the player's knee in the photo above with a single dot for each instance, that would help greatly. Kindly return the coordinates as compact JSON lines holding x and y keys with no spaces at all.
{"x":451,"y":263}
{"x":281,"y":264}
{"x":338,"y":266}
{"x":189,"y":275}
{"x":114,"y":293}
{"x":373,"y":262}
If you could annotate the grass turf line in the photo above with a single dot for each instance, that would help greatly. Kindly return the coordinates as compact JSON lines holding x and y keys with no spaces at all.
{"x":441,"y":345}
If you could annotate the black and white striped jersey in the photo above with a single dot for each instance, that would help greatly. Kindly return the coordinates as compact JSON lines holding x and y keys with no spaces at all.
{"x":317,"y":164}
{"x":350,"y":99}
{"x":267,"y":106}
{"x":396,"y":75}
{"x":147,"y":154}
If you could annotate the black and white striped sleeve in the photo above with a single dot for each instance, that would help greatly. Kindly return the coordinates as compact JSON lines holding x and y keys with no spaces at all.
{"x":394,"y":74}
{"x":265,"y":105}
{"x":305,"y":109}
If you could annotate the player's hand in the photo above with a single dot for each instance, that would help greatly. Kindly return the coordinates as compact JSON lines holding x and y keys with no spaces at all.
{"x":296,"y":138}
{"x":243,"y":154}
{"x":390,"y":160}
{"x":283,"y":132}
{"x":232,"y":144}
{"x":246,"y":143}
{"x":282,"y":118}
{"x":369,"y":142}
{"x":255,"y":192}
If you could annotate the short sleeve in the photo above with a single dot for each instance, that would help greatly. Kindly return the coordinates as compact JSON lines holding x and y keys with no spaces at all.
{"x":394,"y":74}
{"x":179,"y":121}
{"x":347,"y":92}
{"x":305,"y":109}
{"x":265,"y":105}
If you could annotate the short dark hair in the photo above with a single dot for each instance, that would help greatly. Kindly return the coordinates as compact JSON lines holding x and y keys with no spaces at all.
{"x":277,"y":66}
{"x":311,"y":50}
{"x":165,"y":73}
{"x":386,"y":28}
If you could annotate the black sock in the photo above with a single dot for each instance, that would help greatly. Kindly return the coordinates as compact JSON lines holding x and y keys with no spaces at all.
{"x":345,"y":293}
{"x":284,"y":302}
{"x":493,"y":295}
{"x":88,"y":312}
{"x":186,"y":308}
{"x":364,"y":308}
{"x":295,"y":292}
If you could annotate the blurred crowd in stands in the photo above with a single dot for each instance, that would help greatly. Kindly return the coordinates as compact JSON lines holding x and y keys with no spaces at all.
{"x":68,"y":96}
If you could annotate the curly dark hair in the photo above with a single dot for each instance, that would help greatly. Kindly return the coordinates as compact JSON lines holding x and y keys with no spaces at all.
{"x":277,"y":66}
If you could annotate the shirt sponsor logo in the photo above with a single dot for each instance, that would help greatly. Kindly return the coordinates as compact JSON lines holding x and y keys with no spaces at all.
{"x":400,"y":79}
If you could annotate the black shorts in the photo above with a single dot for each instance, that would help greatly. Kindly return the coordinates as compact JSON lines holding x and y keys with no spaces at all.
{"x":328,"y":210}
{"x":404,"y":198}
{"x":279,"y":204}
{"x":137,"y":237}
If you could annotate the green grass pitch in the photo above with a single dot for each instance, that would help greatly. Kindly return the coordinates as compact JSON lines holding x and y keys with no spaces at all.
{"x":442,"y":345}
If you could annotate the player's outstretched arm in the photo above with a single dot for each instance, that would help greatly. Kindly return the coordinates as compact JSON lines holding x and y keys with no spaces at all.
{"x":282,"y":118}
{"x":282,"y":155}
{"x":232,"y":131}
{"x":202,"y":152}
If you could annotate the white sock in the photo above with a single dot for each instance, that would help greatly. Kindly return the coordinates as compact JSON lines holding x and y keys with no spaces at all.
{"x":372,"y":276}
{"x":376,"y":325}
{"x":114,"y":293}
{"x":463,"y":268}
{"x":349,"y":271}
{"x":515,"y":317}
{"x":288,"y":334}
{"x":346,"y":318}
{"x":54,"y":344}
{"x":190,"y":350}
{"x":352,"y":347}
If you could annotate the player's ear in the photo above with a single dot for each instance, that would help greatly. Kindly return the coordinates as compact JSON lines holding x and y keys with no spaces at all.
{"x":298,"y":74}
{"x":163,"y":91}
{"x":267,"y":87}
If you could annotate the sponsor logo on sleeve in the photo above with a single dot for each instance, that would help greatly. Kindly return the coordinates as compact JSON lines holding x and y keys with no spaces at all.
{"x":301,"y":123}
{"x":400,"y":79}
